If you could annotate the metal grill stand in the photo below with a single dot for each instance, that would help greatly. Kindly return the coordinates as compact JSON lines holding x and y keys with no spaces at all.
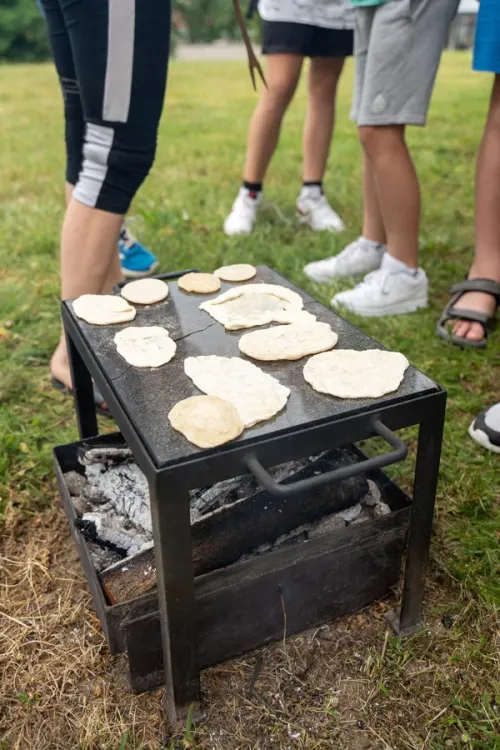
{"x":139,"y":402}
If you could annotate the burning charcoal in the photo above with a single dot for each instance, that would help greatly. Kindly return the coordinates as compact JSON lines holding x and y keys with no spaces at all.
{"x":327,"y":525}
{"x":349,"y":514}
{"x":81,"y":505}
{"x":374,"y":495}
{"x":126,"y":490}
{"x":111,"y":455}
{"x":381,"y":509}
{"x":214,"y":497}
{"x":109,"y":529}
{"x":102,"y":558}
{"x":365,"y":515}
{"x":75,"y":483}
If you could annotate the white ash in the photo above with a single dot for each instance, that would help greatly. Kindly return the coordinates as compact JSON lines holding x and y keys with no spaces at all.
{"x":112,"y":502}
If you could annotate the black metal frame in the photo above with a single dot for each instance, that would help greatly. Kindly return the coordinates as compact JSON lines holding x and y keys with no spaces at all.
{"x":169,"y":490}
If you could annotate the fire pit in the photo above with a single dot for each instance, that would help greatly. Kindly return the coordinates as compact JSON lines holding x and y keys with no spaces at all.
{"x":271,"y":563}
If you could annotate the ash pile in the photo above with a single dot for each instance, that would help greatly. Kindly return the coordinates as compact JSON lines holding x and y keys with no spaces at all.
{"x":111,"y":499}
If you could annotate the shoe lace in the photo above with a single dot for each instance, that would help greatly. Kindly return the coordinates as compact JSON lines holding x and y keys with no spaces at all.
{"x":379,"y":278}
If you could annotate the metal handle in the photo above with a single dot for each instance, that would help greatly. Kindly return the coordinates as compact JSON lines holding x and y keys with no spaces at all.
{"x":399,"y":453}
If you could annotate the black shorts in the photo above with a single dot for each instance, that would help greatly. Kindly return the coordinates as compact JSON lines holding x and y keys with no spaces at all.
{"x":282,"y":37}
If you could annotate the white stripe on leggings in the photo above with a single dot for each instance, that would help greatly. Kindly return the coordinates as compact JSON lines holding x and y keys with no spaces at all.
{"x":98,"y":143}
{"x":120,"y":62}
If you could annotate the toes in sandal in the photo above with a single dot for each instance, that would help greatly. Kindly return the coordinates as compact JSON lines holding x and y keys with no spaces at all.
{"x":451,"y":312}
{"x":485,"y":429}
{"x":98,"y":398}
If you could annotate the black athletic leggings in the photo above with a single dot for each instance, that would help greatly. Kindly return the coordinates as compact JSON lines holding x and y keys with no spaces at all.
{"x":111,"y":57}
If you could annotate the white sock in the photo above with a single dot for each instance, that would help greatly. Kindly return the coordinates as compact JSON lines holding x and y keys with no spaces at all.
{"x":393,"y":265}
{"x":371,"y":244}
{"x":311,"y":191}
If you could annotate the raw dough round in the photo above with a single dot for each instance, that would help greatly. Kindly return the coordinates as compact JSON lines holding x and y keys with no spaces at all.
{"x":256,"y":395}
{"x":206,"y":421}
{"x":288,"y":341}
{"x":237,"y":272}
{"x":351,"y":374}
{"x":103,"y":309}
{"x":257,"y":305}
{"x":145,"y":291}
{"x":199,"y":283}
{"x":145,"y":346}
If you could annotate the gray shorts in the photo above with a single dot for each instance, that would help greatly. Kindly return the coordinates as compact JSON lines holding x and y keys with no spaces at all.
{"x":398,"y":47}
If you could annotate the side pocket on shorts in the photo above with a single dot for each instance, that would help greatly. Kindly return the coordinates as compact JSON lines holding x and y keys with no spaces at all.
{"x":417,"y":7}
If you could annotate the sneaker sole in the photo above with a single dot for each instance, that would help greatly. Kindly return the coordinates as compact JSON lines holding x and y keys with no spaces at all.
{"x":139,"y":274}
{"x":306,"y":220}
{"x":400,"y":308}
{"x":327,"y":279}
{"x":241,"y":233}
{"x":482,"y":439}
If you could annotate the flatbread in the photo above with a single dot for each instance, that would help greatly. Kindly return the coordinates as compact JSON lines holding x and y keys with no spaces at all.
{"x":288,"y":342}
{"x":145,"y":291}
{"x":145,"y":346}
{"x":103,"y":309}
{"x":236,"y":272}
{"x":199,"y":283}
{"x":206,"y":421}
{"x":256,"y":395}
{"x":351,"y":374}
{"x":257,"y":305}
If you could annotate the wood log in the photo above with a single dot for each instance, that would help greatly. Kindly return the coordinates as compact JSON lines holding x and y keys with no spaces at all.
{"x":222,"y":537}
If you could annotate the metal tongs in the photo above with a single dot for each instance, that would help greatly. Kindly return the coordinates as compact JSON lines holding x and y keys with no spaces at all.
{"x":253,"y":63}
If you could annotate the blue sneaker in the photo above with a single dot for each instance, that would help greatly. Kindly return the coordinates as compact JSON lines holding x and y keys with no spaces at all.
{"x":135,"y":260}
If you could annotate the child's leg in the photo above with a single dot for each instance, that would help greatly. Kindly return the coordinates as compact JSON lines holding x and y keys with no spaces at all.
{"x":487,"y":258}
{"x":373,"y":223}
{"x":397,"y":188}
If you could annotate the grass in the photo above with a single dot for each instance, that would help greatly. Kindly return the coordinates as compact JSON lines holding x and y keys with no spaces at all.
{"x":347,"y":686}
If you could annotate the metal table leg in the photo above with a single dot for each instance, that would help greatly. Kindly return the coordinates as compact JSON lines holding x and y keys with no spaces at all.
{"x":174,"y":573}
{"x":408,"y":619}
{"x":83,"y":392}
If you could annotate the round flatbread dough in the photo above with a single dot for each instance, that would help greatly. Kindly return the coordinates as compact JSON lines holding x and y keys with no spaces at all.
{"x":236,"y":272}
{"x":288,"y":342}
{"x":103,"y":309}
{"x":255,"y":395}
{"x":257,"y":305}
{"x":145,"y":346}
{"x":199,"y":283}
{"x":206,"y":421}
{"x":351,"y":374}
{"x":145,"y":291}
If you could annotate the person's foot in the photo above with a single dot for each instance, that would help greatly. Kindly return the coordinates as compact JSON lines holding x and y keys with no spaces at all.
{"x":485,"y":429}
{"x":360,"y":257}
{"x":383,"y":292}
{"x":243,"y":214}
{"x":136,"y":262}
{"x":314,"y":210}
{"x":61,"y":375}
{"x":479,"y":302}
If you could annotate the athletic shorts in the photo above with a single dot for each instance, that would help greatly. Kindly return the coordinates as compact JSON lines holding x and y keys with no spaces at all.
{"x":111,"y":57}
{"x":398,"y":47}
{"x":282,"y":37}
{"x":487,"y":44}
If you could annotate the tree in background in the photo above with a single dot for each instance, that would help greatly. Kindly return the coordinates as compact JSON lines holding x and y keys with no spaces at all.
{"x":23,"y":36}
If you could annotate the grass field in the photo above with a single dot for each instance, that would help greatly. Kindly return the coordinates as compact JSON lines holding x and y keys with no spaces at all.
{"x":350,"y":686}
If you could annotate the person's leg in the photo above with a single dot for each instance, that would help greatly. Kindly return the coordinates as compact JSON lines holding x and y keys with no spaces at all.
{"x":397,"y":188}
{"x":282,"y":76}
{"x":486,"y":263}
{"x":120,"y":135}
{"x":324,"y":75}
{"x":373,"y":222}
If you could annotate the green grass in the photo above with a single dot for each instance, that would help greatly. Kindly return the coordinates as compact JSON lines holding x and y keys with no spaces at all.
{"x":179,"y":213}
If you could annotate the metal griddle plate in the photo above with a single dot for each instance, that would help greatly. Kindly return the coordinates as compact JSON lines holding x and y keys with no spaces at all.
{"x":148,"y":395}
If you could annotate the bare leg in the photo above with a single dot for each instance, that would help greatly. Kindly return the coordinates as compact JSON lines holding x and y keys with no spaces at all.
{"x":373,"y":224}
{"x":397,"y":187}
{"x":324,"y":74}
{"x":282,"y":75}
{"x":88,"y":249}
{"x":486,"y":263}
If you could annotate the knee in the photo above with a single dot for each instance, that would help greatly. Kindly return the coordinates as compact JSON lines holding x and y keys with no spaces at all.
{"x":115,"y":164}
{"x":378,"y":140}
{"x":280,"y":93}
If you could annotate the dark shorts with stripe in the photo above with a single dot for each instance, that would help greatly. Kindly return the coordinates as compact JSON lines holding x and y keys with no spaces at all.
{"x":282,"y":37}
{"x":111,"y":57}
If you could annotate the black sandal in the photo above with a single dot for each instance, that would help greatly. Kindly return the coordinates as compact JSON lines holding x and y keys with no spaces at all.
{"x":486,"y":286}
{"x":98,"y":398}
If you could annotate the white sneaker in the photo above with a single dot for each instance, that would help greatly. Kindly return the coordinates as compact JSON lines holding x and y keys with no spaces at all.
{"x":385,"y":293}
{"x":243,"y":214}
{"x":313,"y":209}
{"x":360,"y":257}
